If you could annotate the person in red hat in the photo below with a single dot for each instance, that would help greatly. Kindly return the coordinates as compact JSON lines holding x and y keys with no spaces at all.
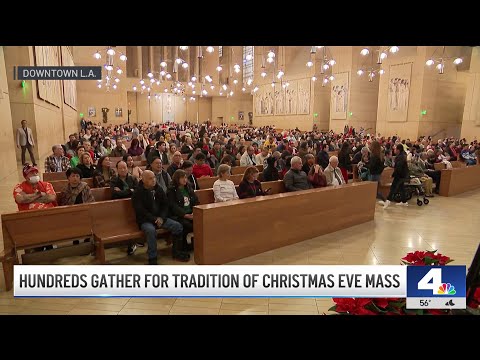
{"x":33,"y":193}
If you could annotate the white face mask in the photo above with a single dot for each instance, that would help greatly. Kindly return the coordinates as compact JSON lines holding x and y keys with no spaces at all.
{"x":34,"y":179}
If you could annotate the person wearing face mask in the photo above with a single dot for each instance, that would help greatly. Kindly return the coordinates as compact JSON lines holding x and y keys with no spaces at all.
{"x":32,"y":193}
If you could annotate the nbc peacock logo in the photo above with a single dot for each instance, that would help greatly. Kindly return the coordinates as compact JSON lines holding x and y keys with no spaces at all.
{"x":446,"y":289}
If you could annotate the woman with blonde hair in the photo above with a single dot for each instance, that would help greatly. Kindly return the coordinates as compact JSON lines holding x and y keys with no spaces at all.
{"x":250,"y":186}
{"x":223,"y":188}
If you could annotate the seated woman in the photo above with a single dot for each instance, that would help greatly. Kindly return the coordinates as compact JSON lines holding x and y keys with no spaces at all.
{"x":187,"y":166}
{"x":75,"y":160}
{"x":270,"y":173}
{"x":133,"y":170}
{"x":123,"y":184}
{"x":104,"y":173}
{"x":250,"y":186}
{"x":76,"y":191}
{"x":223,"y":188}
{"x":182,"y":199}
{"x":86,"y":165}
{"x":171,"y":152}
{"x":135,"y":149}
{"x":316,"y":176}
{"x":107,"y":147}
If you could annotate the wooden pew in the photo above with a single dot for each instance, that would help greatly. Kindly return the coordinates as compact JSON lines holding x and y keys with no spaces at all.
{"x":54,"y":176}
{"x":59,"y":185}
{"x":307,"y":217}
{"x":355,"y":177}
{"x":100,"y":194}
{"x":206,"y":182}
{"x":386,"y":181}
{"x":241,"y":169}
{"x":18,"y":234}
{"x":459,"y":180}
{"x":205,"y":196}
{"x":110,"y":229}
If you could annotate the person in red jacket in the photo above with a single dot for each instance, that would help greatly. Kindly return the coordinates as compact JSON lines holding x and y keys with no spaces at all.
{"x":201,"y":169}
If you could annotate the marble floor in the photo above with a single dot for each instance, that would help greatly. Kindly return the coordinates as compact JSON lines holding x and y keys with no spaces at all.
{"x":449,"y":225}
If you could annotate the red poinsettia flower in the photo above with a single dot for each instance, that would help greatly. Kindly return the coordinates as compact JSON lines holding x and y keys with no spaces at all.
{"x":436,"y":312}
{"x":353,"y":306}
{"x":381,"y":302}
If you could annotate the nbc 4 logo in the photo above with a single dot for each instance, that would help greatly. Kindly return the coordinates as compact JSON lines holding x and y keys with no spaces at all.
{"x":433,"y":281}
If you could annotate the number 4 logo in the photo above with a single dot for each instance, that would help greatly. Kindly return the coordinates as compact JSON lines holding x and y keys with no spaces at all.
{"x":431,"y":281}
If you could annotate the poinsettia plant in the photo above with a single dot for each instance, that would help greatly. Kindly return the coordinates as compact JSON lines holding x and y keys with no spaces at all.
{"x":394,"y":306}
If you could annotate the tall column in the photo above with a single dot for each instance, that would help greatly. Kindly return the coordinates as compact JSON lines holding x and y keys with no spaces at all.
{"x":471,"y":114}
{"x":8,"y":164}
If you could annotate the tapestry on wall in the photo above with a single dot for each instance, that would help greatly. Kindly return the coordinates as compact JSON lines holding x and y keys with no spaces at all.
{"x":168,"y":102}
{"x":291,"y":98}
{"x":279,"y":100}
{"x":48,"y":90}
{"x":339,"y":96}
{"x":399,"y":92}
{"x":69,"y":86}
{"x":303,"y":105}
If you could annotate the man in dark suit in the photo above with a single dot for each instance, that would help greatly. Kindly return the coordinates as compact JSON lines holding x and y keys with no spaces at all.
{"x":26,"y":142}
{"x":152,"y":212}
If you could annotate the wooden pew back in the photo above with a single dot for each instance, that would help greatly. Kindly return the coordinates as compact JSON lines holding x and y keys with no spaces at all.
{"x":206,"y":196}
{"x":54,"y":176}
{"x":241,"y":169}
{"x":26,"y":229}
{"x":113,"y":217}
{"x":301,"y":222}
{"x":100,"y":194}
{"x":59,"y":185}
{"x":459,"y":180}
{"x":206,"y":182}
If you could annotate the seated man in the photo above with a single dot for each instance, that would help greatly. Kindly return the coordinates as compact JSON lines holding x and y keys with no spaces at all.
{"x":152,"y":212}
{"x":468,"y":155}
{"x":124,"y":184}
{"x":76,"y":191}
{"x":33,"y":193}
{"x":187,"y":166}
{"x":57,"y":162}
{"x":430,"y":171}
{"x":332,"y":173}
{"x":416,"y":171}
{"x":296,"y":179}
{"x":176,"y":163}
{"x":248,"y":157}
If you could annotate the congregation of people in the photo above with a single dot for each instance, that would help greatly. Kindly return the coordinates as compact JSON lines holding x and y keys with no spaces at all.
{"x":177,"y":155}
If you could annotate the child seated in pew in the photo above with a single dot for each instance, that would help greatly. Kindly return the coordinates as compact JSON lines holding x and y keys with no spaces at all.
{"x":250,"y":186}
{"x":200,"y":169}
{"x":223,"y":188}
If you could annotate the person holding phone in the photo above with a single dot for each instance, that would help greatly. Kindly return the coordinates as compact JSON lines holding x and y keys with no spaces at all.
{"x":250,"y":186}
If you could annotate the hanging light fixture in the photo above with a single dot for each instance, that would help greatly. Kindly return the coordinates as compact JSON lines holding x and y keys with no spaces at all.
{"x":440,"y":58}
{"x":369,"y":67}
{"x":110,"y":66}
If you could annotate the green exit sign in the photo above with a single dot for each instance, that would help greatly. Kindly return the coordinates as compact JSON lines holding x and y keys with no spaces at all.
{"x":350,"y":113}
{"x":81,"y":114}
{"x":424,"y":112}
{"x":316,"y":114}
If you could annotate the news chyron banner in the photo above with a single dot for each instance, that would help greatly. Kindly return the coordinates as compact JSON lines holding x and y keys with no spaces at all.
{"x":428,"y":286}
{"x":57,"y":72}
